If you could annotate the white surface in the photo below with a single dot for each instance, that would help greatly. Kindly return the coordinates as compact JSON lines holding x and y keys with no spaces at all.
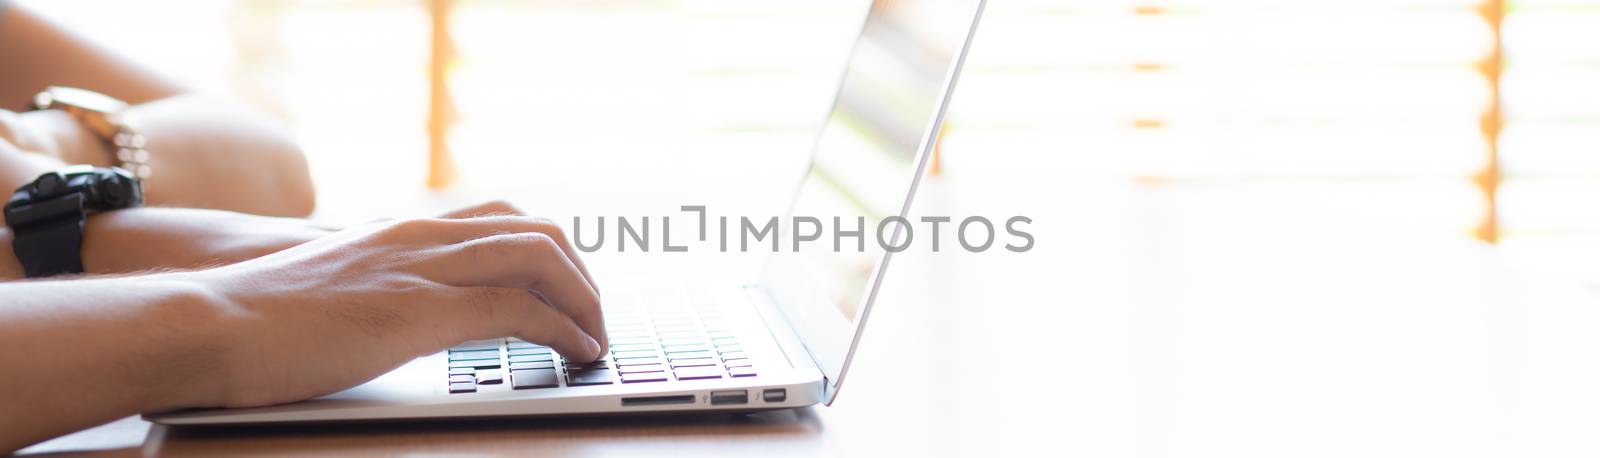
{"x":1191,"y":343}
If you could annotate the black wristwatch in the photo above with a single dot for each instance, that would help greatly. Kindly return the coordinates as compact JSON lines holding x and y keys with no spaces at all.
{"x":46,"y":216}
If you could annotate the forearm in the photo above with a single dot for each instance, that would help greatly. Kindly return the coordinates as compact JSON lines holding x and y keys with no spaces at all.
{"x":143,"y":239}
{"x":18,"y":167}
{"x":83,"y":352}
{"x":37,"y":53}
{"x":203,"y":154}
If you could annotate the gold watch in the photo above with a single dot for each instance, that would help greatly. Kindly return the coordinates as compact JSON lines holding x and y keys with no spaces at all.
{"x":102,"y":115}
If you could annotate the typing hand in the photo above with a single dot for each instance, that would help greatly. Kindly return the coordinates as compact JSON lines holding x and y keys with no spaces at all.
{"x":337,"y":311}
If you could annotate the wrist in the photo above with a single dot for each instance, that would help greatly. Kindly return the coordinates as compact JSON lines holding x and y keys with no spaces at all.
{"x":141,"y":239}
{"x":56,"y":133}
{"x":113,"y":242}
{"x":10,"y":267}
{"x":188,"y":329}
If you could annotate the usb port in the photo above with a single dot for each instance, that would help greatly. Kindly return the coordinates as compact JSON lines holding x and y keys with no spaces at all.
{"x":774,"y":395}
{"x":730,"y":397}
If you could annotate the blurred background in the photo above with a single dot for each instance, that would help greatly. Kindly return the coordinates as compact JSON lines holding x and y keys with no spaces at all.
{"x":1166,"y":149}
{"x":1440,"y":118}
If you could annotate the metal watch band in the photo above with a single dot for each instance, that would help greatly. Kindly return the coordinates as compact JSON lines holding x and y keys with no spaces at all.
{"x":130,"y":153}
{"x":105,"y":117}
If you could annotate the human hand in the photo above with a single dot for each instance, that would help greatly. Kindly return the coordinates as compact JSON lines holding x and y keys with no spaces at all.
{"x":335,"y":312}
{"x":503,"y":208}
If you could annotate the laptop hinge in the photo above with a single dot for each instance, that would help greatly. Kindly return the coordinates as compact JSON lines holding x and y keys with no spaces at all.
{"x":766,"y":306}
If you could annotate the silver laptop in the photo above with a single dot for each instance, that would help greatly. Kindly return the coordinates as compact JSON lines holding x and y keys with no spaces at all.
{"x":781,"y":344}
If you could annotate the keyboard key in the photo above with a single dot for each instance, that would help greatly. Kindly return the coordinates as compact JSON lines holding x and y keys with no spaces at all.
{"x":462,"y":379}
{"x":733,"y":355}
{"x":589,"y":377}
{"x":633,"y":354}
{"x":529,"y":358}
{"x":644,"y":377}
{"x":633,"y":346}
{"x":682,"y":340}
{"x":527,"y":351}
{"x":630,"y":339}
{"x":677,"y":355}
{"x":700,"y":297}
{"x":474,"y":355}
{"x":745,"y":371}
{"x":638,"y":361}
{"x":463,"y":387}
{"x":737,"y":363}
{"x":729,"y":347}
{"x":489,"y":377}
{"x":685,"y":347}
{"x":477,"y":345}
{"x":697,"y":373}
{"x":521,"y":344}
{"x":640,"y":368}
{"x":463,"y":371}
{"x":533,"y":378}
{"x":677,"y":363}
{"x":477,"y":364}
{"x":534,"y":365}
{"x":601,"y":364}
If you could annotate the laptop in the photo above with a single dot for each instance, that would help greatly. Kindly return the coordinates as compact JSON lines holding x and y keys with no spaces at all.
{"x":783,"y":343}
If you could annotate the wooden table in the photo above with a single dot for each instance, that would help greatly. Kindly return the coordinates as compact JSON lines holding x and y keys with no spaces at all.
{"x":1215,"y":325}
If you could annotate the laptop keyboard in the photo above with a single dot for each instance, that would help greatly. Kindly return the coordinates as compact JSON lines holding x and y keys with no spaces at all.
{"x":662,"y":346}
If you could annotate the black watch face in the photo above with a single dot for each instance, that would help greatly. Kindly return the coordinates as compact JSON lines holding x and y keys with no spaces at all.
{"x":118,"y":189}
{"x":99,"y":188}
{"x":49,"y":185}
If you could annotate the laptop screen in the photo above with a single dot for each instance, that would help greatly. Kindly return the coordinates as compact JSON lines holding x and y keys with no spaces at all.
{"x":868,"y":156}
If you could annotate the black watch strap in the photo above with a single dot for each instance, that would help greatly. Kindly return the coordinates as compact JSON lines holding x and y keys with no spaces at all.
{"x":41,"y":247}
{"x":47,"y":216}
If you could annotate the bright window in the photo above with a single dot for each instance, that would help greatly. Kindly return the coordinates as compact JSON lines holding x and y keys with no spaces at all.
{"x":1389,"y":104}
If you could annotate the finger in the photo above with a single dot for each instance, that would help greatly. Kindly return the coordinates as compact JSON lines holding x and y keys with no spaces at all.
{"x":492,"y":312}
{"x":475,"y":227}
{"x":490,"y":208}
{"x":528,"y":260}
